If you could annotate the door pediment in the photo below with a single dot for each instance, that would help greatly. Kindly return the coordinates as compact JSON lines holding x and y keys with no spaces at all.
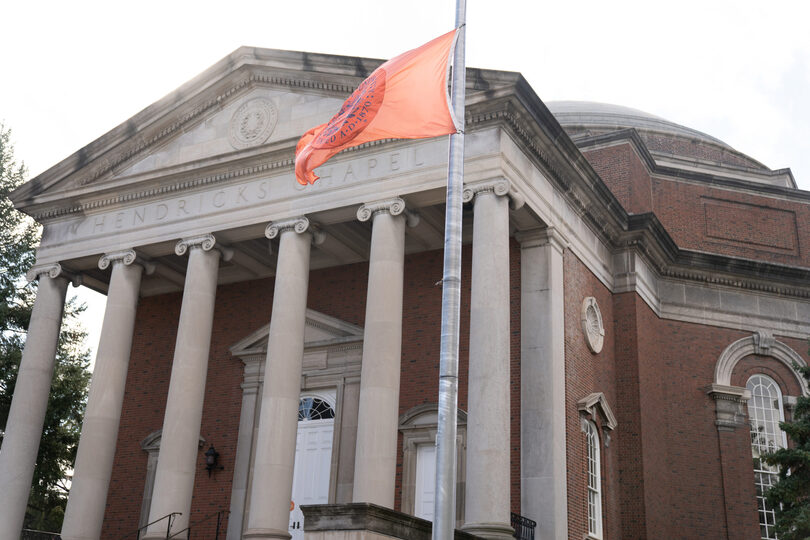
{"x":320,"y":331}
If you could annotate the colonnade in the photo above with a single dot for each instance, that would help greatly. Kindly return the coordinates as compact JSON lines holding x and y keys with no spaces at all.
{"x":488,"y":472}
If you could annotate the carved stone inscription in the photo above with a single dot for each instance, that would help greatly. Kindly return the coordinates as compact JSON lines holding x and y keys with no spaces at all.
{"x":211,"y":203}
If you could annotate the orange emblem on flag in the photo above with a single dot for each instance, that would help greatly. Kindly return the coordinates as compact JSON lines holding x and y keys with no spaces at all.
{"x":405,"y":98}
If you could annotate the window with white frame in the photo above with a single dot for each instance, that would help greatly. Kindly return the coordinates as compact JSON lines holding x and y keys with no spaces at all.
{"x":764,"y":413}
{"x":594,"y":481}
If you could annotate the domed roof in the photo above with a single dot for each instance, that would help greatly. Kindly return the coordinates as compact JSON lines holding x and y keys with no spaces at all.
{"x":590,"y":113}
{"x":587,"y":118}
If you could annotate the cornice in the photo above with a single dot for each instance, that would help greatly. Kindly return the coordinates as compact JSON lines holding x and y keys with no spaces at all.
{"x":647,"y":236}
{"x":533,"y":126}
{"x":703,"y":178}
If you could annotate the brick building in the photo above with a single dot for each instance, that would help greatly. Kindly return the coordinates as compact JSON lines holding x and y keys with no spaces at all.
{"x":634,"y":297}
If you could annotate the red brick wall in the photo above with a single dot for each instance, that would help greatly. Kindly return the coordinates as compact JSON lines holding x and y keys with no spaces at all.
{"x":242,"y":308}
{"x":732,"y":223}
{"x":625,"y":174}
{"x":585,"y":373}
{"x":662,"y":473}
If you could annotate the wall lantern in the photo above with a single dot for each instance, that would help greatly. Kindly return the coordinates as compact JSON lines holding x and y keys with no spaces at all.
{"x":211,"y":458}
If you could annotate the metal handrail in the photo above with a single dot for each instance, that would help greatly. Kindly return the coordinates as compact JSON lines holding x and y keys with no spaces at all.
{"x":219,"y":522}
{"x":168,"y":526}
{"x":524,"y":527}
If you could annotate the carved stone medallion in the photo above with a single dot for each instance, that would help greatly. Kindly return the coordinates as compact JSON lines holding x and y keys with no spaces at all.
{"x":592,"y":325}
{"x":252,"y":123}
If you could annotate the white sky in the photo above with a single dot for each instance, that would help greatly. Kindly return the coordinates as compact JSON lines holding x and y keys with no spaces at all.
{"x":739,"y":71}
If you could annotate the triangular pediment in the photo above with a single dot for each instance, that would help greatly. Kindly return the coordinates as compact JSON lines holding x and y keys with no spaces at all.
{"x":321,"y":330}
{"x":252,"y":102}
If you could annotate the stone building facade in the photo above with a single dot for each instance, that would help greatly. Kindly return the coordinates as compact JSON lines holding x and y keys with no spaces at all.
{"x":634,"y":297}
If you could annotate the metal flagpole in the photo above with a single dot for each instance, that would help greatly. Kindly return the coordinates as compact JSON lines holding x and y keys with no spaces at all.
{"x":444,"y":509}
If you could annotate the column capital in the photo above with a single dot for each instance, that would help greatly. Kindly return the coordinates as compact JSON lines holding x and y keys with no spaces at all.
{"x":497,"y":186}
{"x":53,"y":271}
{"x":395,"y":206}
{"x":206,"y":242}
{"x":125,"y":257}
{"x":542,"y":237}
{"x":299,"y":225}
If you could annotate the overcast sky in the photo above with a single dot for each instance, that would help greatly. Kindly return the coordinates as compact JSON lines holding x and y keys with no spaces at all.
{"x":739,"y":71}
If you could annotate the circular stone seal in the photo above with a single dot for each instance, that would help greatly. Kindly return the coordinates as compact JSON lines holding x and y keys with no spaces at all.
{"x":252,"y":123}
{"x":355,"y":114}
{"x":592,"y":325}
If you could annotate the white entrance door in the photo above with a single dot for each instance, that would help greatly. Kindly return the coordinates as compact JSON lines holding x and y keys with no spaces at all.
{"x":425,"y":481}
{"x":313,"y":457}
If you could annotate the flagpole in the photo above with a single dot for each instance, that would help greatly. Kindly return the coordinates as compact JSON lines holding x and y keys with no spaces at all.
{"x":444,"y":509}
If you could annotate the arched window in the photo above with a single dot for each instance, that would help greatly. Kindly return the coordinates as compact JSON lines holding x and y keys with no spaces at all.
{"x":765,"y":413}
{"x":312,"y":408}
{"x":594,"y":481}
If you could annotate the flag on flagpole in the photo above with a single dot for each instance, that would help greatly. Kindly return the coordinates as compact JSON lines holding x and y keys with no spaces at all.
{"x":405,"y":98}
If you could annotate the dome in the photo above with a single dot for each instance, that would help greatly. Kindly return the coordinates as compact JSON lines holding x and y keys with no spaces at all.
{"x":586,"y":118}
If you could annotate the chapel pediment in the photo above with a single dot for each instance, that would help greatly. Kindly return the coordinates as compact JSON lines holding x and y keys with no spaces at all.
{"x":251,"y":102}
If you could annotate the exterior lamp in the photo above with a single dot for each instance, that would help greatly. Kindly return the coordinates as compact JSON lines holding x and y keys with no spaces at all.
{"x":211,"y":458}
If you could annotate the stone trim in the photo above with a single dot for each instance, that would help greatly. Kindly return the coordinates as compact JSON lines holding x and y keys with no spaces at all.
{"x":597,"y":401}
{"x":592,"y":325}
{"x":418,"y":428}
{"x":762,"y":343}
{"x":206,"y":242}
{"x":730,"y":402}
{"x":498,"y":186}
{"x":543,"y":236}
{"x":370,"y":518}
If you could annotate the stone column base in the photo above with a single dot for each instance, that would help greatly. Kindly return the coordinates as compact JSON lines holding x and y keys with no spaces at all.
{"x":494,"y":531}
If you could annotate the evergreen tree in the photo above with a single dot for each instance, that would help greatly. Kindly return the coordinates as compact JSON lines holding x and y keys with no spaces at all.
{"x":19,"y":236}
{"x":790,"y":496}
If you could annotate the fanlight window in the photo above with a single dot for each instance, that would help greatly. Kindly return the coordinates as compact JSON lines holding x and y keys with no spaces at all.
{"x":594,"y":482}
{"x":765,"y":413}
{"x":312,"y":408}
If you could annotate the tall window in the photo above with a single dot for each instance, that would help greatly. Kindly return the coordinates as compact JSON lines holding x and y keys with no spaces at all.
{"x":594,"y":482}
{"x":765,"y":413}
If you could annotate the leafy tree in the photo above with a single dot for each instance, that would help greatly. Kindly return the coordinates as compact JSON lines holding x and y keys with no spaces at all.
{"x":790,"y":496}
{"x":19,"y":236}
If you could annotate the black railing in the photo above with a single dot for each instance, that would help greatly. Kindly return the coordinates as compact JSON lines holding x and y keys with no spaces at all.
{"x":221,"y":516}
{"x":30,"y":534}
{"x":169,"y":517}
{"x":524,"y":527}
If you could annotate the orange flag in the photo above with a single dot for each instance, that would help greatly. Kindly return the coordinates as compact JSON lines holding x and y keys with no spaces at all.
{"x":405,"y":98}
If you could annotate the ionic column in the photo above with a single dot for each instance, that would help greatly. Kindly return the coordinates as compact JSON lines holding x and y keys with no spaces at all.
{"x":377,"y":419}
{"x":488,"y":418}
{"x":271,"y":490}
{"x":94,"y":459}
{"x":27,"y":414}
{"x":542,"y":381}
{"x":177,"y":459}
